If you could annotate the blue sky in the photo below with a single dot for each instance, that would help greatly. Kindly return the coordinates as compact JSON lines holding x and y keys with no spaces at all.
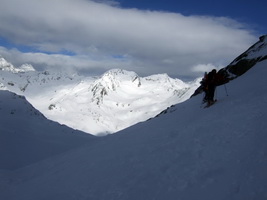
{"x":252,"y":13}
{"x":181,"y":38}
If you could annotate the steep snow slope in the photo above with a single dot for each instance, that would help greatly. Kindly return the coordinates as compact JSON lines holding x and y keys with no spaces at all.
{"x":97,"y":105}
{"x":188,"y":153}
{"x":26,"y":136}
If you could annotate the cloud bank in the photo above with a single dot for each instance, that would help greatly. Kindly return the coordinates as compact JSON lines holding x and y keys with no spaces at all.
{"x":99,"y":35}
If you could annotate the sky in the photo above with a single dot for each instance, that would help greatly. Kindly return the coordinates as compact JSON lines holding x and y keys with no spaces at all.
{"x":181,"y":38}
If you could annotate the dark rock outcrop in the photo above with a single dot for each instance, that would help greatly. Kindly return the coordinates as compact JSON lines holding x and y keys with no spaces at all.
{"x":255,"y":54}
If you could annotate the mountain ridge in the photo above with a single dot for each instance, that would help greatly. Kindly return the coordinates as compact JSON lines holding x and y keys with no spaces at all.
{"x":6,"y":66}
{"x":253,"y":55}
{"x":97,"y":105}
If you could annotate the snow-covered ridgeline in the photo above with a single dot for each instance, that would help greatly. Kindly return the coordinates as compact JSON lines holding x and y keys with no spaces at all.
{"x":6,"y":66}
{"x":256,"y":53}
{"x":97,"y":105}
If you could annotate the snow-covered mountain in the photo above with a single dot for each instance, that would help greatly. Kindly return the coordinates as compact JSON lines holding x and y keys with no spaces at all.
{"x":26,"y":136}
{"x":6,"y":66}
{"x":187,"y":153}
{"x":96,"y":105}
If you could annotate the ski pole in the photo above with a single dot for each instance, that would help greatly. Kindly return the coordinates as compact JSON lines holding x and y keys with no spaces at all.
{"x":225,"y":90}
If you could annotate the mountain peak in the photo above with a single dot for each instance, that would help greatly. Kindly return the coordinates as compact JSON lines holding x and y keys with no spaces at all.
{"x":115,"y":76}
{"x":6,"y":66}
{"x":111,"y":80}
{"x":26,"y":68}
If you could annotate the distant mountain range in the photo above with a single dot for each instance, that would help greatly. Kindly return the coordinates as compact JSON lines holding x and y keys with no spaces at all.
{"x":96,"y":105}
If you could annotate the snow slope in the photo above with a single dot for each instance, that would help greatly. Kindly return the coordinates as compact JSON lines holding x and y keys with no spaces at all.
{"x":189,"y":153}
{"x":26,"y":136}
{"x":96,"y":105}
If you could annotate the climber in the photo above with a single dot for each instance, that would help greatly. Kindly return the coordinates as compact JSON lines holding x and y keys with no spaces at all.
{"x":203,"y":86}
{"x":209,"y":87}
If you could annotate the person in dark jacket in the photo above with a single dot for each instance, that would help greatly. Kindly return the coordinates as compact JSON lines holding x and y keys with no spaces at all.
{"x":210,"y":86}
{"x":203,"y":86}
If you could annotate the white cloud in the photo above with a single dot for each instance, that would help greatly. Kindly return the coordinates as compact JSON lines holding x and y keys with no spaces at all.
{"x":84,"y":63}
{"x":205,"y":67}
{"x":154,"y":42}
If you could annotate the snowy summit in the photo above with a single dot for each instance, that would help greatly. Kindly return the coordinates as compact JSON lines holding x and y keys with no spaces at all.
{"x":97,"y":105}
